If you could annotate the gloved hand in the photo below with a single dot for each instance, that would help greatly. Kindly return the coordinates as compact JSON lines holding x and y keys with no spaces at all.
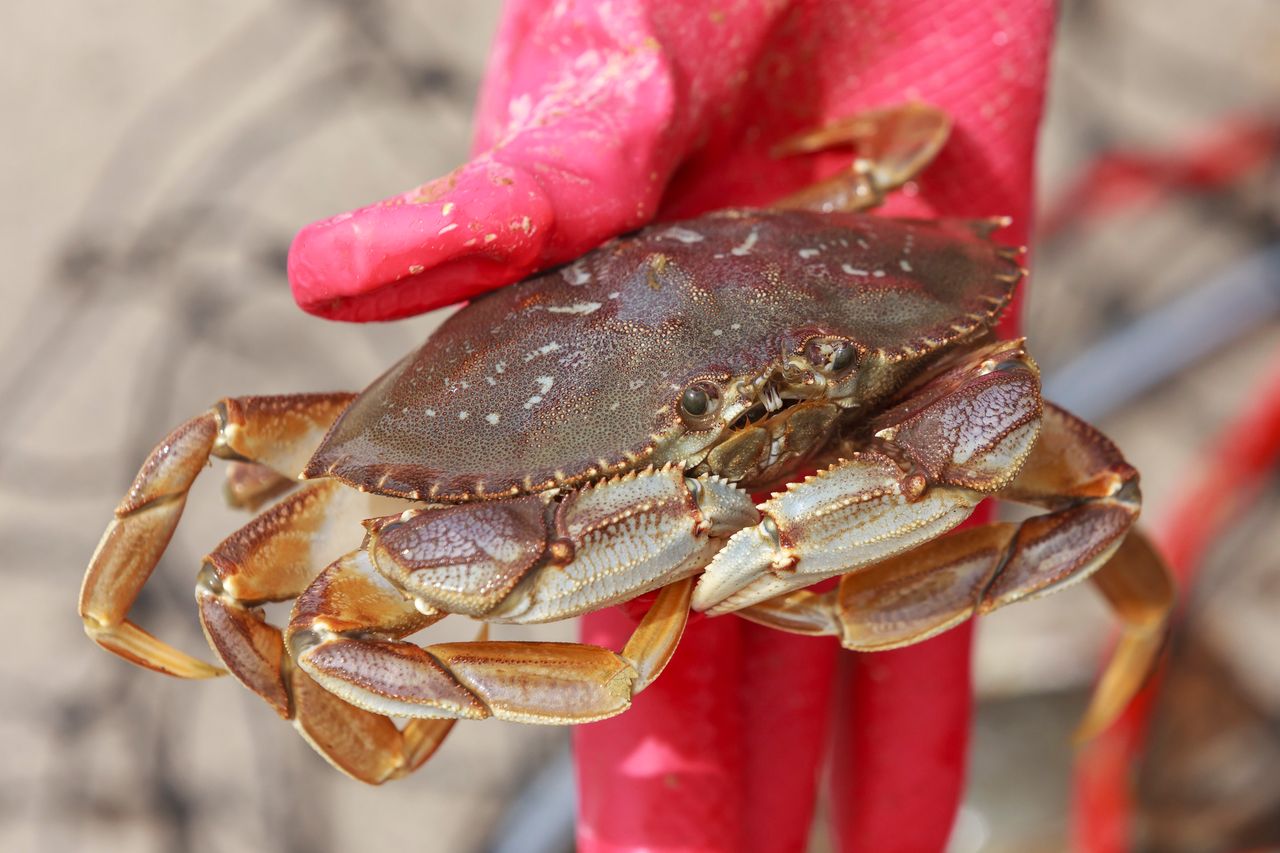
{"x":598,"y":117}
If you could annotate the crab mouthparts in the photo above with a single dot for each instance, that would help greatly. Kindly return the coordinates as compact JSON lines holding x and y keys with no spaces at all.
{"x":780,"y":429}
{"x":782,"y":388}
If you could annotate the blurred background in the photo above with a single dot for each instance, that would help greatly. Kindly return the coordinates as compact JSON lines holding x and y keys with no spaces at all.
{"x":160,"y":158}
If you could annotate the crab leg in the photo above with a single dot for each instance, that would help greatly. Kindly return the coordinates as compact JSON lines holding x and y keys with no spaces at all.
{"x":364,"y":745}
{"x":1138,"y":585}
{"x":347,"y":630}
{"x":1092,"y":492}
{"x":1080,"y":476}
{"x":279,"y":432}
{"x":894,"y":145}
{"x":273,"y":558}
{"x":249,"y":485}
{"x":960,"y":437}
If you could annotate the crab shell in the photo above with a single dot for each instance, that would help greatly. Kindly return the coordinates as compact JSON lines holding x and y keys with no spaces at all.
{"x":577,"y":374}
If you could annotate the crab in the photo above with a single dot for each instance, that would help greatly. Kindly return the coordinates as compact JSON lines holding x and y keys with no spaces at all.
{"x":595,"y":433}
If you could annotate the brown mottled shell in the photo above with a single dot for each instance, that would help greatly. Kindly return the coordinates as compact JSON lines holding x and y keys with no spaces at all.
{"x":575,"y":373}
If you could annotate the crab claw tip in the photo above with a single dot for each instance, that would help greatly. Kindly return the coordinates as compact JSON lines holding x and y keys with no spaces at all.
{"x":746,"y":557}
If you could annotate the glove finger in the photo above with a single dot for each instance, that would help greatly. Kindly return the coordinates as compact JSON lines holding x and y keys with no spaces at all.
{"x":587,"y":112}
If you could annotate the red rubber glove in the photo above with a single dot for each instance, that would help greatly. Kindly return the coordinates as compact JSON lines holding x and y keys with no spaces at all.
{"x":596,"y":118}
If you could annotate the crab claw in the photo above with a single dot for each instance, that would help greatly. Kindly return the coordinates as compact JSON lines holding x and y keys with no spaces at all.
{"x":963,"y":435}
{"x":857,"y":512}
{"x":747,"y":556}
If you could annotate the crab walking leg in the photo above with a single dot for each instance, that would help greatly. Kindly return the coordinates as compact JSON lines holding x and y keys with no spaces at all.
{"x":367,"y":746}
{"x":347,"y":628}
{"x":894,"y":145}
{"x":1139,"y":587}
{"x":275,"y":557}
{"x":280,"y":432}
{"x":1092,"y":492}
{"x":1080,"y":475}
{"x":960,"y":437}
{"x":249,"y":485}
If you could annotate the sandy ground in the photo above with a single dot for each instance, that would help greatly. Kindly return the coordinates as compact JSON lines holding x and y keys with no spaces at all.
{"x":158,"y":160}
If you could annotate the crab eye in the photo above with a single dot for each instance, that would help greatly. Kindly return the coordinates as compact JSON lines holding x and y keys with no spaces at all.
{"x":843,"y":358}
{"x":699,"y":400}
{"x":831,"y":356}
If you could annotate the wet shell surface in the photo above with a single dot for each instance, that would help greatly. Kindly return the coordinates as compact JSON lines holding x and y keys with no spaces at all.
{"x":577,"y":373}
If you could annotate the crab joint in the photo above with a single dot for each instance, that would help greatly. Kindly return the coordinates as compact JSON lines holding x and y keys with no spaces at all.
{"x":560,"y":552}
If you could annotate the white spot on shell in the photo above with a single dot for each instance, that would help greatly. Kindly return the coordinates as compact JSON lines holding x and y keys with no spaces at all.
{"x":684,"y":235}
{"x":906,"y":266}
{"x":448,"y":208}
{"x":735,"y":327}
{"x":462,"y":416}
{"x":635,"y":383}
{"x":878,"y":273}
{"x":500,"y":367}
{"x":717,"y":332}
{"x":850,"y":269}
{"x":576,"y":274}
{"x":414,"y":269}
{"x":545,"y":349}
{"x":614,"y":295}
{"x":492,"y":418}
{"x":492,"y":382}
{"x":575,"y":308}
{"x":447,"y":228}
{"x":431,"y":413}
{"x":544,"y":385}
{"x":744,"y":248}
{"x":810,"y":253}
